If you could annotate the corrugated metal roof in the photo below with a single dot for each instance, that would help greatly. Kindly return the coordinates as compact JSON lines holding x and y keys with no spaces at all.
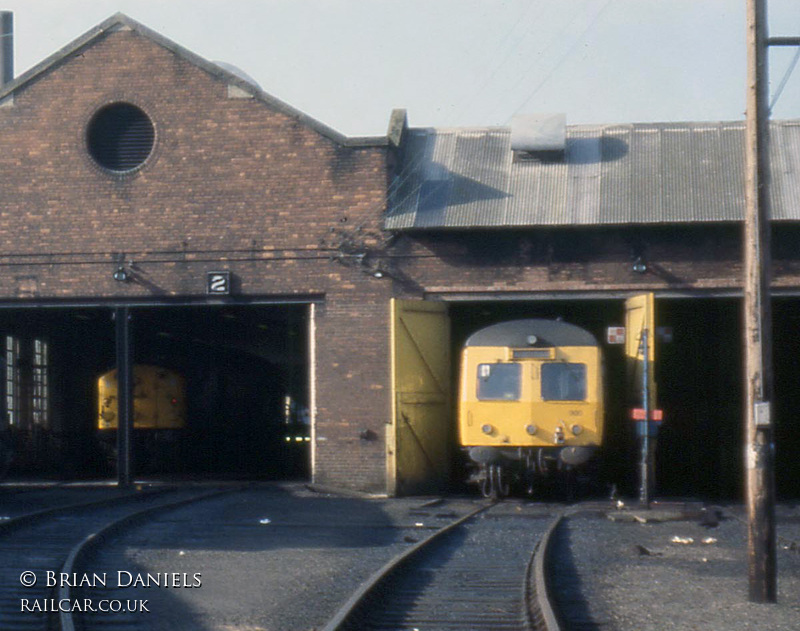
{"x":614,"y":174}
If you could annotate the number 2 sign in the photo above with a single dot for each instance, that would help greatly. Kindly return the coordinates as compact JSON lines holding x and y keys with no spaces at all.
{"x":218,"y":283}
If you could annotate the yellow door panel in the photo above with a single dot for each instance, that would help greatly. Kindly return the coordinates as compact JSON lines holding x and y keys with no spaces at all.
{"x":640,"y":316}
{"x":418,"y":445}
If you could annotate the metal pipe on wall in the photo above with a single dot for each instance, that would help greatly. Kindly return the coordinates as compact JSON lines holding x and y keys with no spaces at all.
{"x":6,"y":47}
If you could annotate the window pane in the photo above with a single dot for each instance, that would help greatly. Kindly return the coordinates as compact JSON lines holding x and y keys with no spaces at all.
{"x":12,"y":380}
{"x":40,"y":387}
{"x":563,"y":382}
{"x":499,"y":382}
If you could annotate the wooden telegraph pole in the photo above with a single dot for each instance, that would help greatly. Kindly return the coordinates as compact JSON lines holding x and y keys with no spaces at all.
{"x":758,"y":425}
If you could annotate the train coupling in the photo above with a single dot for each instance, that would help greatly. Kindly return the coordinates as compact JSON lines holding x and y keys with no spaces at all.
{"x":558,"y":436}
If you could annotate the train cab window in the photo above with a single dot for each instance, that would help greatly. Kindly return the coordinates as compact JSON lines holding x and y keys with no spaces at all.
{"x":563,"y":382}
{"x":499,"y":382}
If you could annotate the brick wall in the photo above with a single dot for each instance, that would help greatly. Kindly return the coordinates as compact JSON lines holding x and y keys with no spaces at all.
{"x":680,"y":258}
{"x":228,"y":178}
{"x":234,"y":184}
{"x":353,"y":391}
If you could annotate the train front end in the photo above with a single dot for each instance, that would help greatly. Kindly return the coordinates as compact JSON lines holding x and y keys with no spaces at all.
{"x":530,"y":401}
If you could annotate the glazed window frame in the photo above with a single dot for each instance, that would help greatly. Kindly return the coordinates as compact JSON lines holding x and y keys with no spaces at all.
{"x":499,"y":382}
{"x":564,"y":381}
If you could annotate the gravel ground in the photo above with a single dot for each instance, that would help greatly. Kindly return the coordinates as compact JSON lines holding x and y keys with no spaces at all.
{"x":677,"y":575}
{"x":275,"y":558}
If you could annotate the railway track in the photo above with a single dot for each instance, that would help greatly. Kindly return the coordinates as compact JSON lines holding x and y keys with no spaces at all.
{"x":41,"y":553}
{"x":26,"y":504}
{"x":479,"y":572}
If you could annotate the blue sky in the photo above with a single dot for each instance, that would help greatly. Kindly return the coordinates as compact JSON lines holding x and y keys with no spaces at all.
{"x":348,"y":63}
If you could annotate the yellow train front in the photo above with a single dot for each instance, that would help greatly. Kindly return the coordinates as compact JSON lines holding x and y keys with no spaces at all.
{"x":530,"y":401}
{"x":159,"y":413}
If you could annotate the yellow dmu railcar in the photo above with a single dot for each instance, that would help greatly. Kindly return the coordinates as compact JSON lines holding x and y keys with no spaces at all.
{"x":530,"y":400}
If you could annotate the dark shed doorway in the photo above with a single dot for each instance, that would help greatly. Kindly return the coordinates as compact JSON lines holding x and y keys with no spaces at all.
{"x":245,"y":370}
{"x":698,"y":374}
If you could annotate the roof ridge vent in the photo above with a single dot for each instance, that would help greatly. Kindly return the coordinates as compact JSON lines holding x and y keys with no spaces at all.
{"x":238,"y":73}
{"x":539,"y":134}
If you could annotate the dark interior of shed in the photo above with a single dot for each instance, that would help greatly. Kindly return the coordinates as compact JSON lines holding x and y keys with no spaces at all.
{"x":699,"y":451}
{"x":245,"y":370}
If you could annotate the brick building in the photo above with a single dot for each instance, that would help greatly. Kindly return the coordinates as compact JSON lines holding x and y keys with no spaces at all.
{"x":218,"y":176}
{"x":495,"y":230}
{"x":356,"y":266}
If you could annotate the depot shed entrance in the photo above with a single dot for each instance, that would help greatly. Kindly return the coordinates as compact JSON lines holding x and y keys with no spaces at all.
{"x":545,"y":219}
{"x":237,"y":399}
{"x":427,"y":338}
{"x":697,"y":371}
{"x":700,"y":386}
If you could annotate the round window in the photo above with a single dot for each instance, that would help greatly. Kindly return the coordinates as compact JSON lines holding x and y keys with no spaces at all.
{"x":120,"y":137}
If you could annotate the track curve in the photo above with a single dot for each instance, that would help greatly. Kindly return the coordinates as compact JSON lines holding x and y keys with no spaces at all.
{"x":45,"y":545}
{"x":471,"y":574}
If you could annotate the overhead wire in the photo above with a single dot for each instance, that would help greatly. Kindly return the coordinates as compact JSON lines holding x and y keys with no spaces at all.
{"x":566,"y":55}
{"x":785,"y":80}
{"x":179,"y":251}
{"x":115,"y":257}
{"x":401,"y":181}
{"x":409,"y":169}
{"x":146,"y":260}
{"x":512,"y":47}
{"x":540,"y":58}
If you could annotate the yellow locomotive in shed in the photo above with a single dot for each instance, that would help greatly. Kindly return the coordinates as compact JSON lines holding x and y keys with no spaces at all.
{"x":530,"y":401}
{"x":159,"y":411}
{"x":159,"y":399}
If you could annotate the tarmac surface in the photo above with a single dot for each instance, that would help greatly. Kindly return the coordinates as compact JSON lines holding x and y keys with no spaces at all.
{"x":276,"y":557}
{"x":283,"y":557}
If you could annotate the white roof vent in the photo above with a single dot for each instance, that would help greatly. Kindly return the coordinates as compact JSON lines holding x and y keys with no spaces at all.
{"x":534,"y":133}
{"x":235,"y":70}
